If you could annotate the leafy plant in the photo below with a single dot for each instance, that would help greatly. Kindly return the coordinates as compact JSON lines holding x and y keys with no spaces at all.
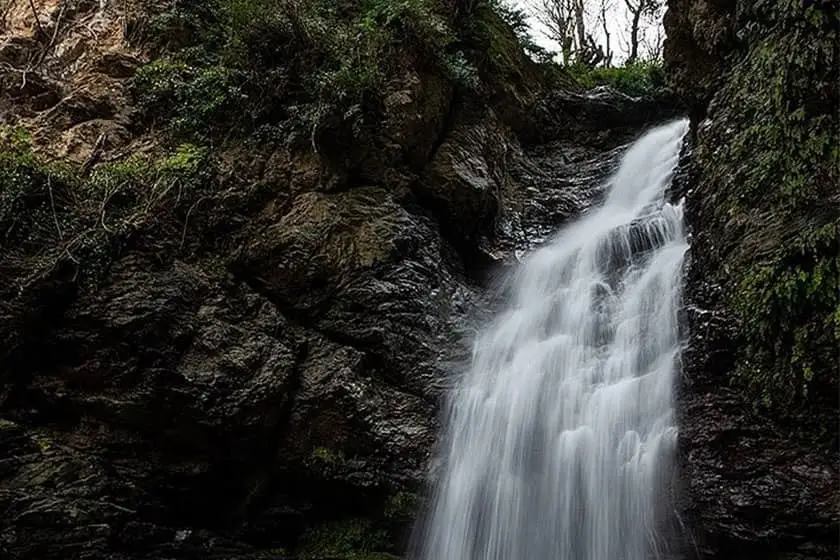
{"x":52,"y":215}
{"x":253,"y":60}
{"x":195,"y":100}
{"x":635,"y":79}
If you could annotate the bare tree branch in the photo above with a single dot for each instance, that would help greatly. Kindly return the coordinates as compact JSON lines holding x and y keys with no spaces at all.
{"x":608,"y":54}
{"x":586,"y":32}
{"x":558,"y":18}
{"x":37,"y":19}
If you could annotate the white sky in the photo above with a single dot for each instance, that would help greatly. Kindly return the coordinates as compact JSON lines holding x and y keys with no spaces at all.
{"x":618,"y":19}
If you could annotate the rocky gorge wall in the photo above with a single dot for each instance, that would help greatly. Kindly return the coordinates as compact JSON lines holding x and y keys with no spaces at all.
{"x":758,"y":402}
{"x":237,"y":266}
{"x":239,"y":253}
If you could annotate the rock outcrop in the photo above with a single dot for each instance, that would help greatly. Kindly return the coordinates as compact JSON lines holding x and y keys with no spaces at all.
{"x":234,"y":346}
{"x":232,"y":297}
{"x":758,"y":401}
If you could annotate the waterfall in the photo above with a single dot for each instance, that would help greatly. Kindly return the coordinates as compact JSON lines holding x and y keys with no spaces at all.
{"x":560,"y":435}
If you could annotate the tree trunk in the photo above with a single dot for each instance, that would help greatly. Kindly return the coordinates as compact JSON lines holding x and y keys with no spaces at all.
{"x":608,"y":48}
{"x":580,"y":24}
{"x":634,"y":35}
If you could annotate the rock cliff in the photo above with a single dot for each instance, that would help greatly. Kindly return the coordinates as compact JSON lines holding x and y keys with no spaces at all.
{"x":758,"y":401}
{"x":242,"y":244}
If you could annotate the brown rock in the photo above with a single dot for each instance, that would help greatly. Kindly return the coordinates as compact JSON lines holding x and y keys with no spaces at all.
{"x":467,"y":176}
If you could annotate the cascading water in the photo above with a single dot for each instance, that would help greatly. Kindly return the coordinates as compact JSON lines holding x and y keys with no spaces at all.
{"x":560,"y":435}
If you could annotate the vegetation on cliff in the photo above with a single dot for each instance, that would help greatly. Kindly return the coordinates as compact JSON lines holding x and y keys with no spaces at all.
{"x":264,"y":69}
{"x":774,"y":170}
{"x":56,"y":214}
{"x":758,"y":396}
{"x":634,"y":78}
{"x":241,"y":65}
{"x":224,"y":279}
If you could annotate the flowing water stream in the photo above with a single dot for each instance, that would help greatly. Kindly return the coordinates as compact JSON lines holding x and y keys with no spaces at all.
{"x":560,"y":435}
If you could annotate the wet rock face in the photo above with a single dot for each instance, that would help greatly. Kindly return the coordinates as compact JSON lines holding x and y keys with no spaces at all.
{"x":267,"y":365}
{"x":600,"y":118}
{"x":257,"y":371}
{"x":361,"y":269}
{"x":758,"y":431}
{"x":285,"y":376}
{"x":700,"y":35}
{"x":466,"y":178}
{"x":159,"y":389}
{"x":179,"y":398}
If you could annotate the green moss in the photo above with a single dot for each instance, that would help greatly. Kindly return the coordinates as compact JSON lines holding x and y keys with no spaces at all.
{"x":402,"y":505}
{"x":772,"y":174}
{"x":353,"y":539}
{"x":788,"y":313}
{"x":777,"y":95}
{"x":44,"y":445}
{"x":328,"y":456}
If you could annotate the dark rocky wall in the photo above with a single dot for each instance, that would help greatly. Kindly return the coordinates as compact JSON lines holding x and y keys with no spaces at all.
{"x":244,"y":360}
{"x":256,"y":372}
{"x":758,"y":401}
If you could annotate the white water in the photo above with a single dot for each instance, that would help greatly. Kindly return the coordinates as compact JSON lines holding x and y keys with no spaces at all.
{"x":560,"y":435}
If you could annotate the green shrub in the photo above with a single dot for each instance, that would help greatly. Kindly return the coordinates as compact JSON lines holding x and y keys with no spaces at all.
{"x":195,"y":100}
{"x":256,"y":55}
{"x":52,"y":215}
{"x":251,"y":61}
{"x":635,"y":79}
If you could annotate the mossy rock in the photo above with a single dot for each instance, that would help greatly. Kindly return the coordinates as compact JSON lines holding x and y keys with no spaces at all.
{"x":769,"y":165}
{"x":348,"y":539}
